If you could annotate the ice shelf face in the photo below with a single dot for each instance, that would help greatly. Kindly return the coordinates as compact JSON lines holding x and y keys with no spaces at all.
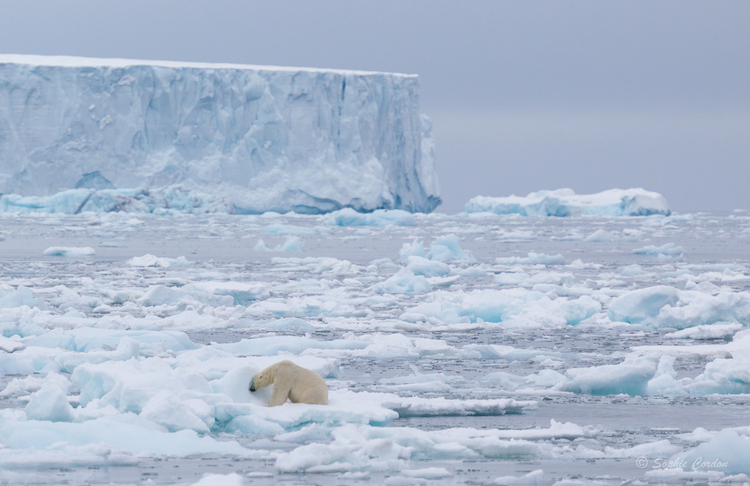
{"x":262,"y":138}
{"x":565,"y":202}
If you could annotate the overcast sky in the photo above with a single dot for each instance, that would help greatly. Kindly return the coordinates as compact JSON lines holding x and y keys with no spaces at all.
{"x":524,"y":95}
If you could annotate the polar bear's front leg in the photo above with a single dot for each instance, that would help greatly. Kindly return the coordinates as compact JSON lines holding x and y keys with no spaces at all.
{"x":280,"y":393}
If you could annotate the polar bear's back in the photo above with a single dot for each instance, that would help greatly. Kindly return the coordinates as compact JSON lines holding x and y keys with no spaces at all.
{"x":305,"y":386}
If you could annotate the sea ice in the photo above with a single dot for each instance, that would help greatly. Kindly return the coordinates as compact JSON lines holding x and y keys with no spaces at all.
{"x":65,"y":251}
{"x":533,"y":259}
{"x":291,"y":244}
{"x":666,"y":250}
{"x":379,"y":217}
{"x":447,"y":248}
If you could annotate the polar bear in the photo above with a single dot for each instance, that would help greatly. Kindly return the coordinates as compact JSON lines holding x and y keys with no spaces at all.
{"x":296,"y":383}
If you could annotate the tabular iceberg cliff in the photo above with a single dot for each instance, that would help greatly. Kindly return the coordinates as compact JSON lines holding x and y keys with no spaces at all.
{"x":262,"y":138}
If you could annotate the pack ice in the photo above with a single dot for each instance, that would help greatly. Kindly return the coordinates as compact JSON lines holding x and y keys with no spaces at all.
{"x":112,"y":134}
{"x":457,"y":348}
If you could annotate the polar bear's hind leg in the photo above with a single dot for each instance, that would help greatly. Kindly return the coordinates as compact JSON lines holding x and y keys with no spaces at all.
{"x":314,"y":395}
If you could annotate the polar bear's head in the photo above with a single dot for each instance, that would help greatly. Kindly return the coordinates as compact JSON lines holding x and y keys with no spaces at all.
{"x":263,"y":379}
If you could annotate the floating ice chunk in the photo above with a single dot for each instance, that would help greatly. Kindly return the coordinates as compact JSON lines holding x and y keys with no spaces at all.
{"x":150,"y":260}
{"x":19,"y":297}
{"x":534,"y":478}
{"x":272,"y":346}
{"x":601,"y":236}
{"x":403,"y":282}
{"x":243,"y":293}
{"x":236,"y":385}
{"x":291,"y":244}
{"x":428,"y":268}
{"x":448,"y":248}
{"x":28,"y":384}
{"x":443,"y":282}
{"x":124,"y":432}
{"x":84,"y":340}
{"x":664,"y":381}
{"x":350,"y":451}
{"x":379,"y":217}
{"x":129,"y":385}
{"x":670,"y":472}
{"x":177,"y":413}
{"x":725,"y":376}
{"x":507,"y":381}
{"x":533,"y":259}
{"x":514,"y":279}
{"x":630,"y":377}
{"x":62,"y":455}
{"x":428,"y":473}
{"x":642,"y":306}
{"x":697,"y":308}
{"x":69,"y":251}
{"x":420,"y":407}
{"x":497,"y":351}
{"x":712,"y":331}
{"x":666,"y":250}
{"x":663,"y":306}
{"x":503,"y":305}
{"x":350,"y":441}
{"x":420,"y":378}
{"x":160,"y":295}
{"x":727,"y":452}
{"x":565,"y":202}
{"x":284,"y":323}
{"x":50,"y":402}
{"x":261,"y":246}
{"x":290,"y":229}
{"x":632,"y":271}
{"x":657,"y":449}
{"x":232,"y":479}
{"x":415,"y":248}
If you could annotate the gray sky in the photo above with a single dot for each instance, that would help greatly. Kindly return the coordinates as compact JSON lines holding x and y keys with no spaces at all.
{"x":524,"y":95}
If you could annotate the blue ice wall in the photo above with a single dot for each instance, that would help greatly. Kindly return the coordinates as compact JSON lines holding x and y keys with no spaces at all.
{"x":265,"y":138}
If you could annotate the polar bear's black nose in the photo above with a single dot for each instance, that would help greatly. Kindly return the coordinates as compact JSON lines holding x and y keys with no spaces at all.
{"x":252,"y":386}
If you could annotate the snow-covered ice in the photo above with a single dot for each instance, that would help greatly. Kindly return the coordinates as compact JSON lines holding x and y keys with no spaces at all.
{"x":458,"y":349}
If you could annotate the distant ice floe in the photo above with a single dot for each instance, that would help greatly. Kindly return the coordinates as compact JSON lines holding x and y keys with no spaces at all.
{"x":665,"y":251}
{"x":379,"y":217}
{"x":565,"y":202}
{"x":149,"y":260}
{"x":69,"y":251}
{"x":291,"y":244}
{"x":533,"y":258}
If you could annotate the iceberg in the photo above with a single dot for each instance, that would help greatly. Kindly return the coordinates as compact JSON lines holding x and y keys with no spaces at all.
{"x":565,"y":202}
{"x":114,"y":134}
